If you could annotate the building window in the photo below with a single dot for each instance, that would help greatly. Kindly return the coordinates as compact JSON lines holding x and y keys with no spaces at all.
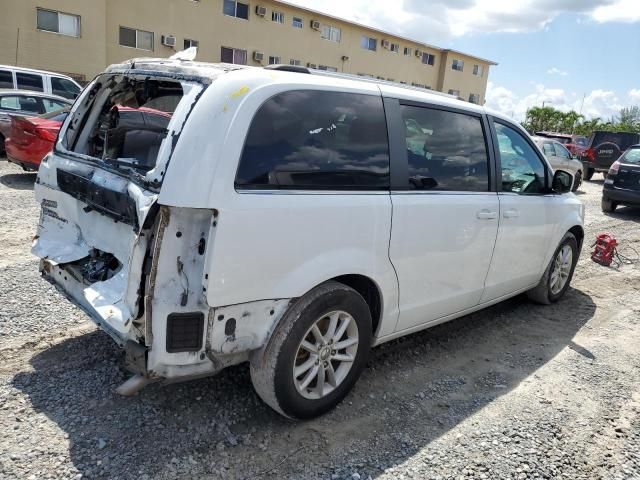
{"x":277,"y":17}
{"x":407,"y":51}
{"x":477,"y":70}
{"x":273,"y":60}
{"x":295,"y":63}
{"x":233,"y":55}
{"x":455,"y":93}
{"x":369,"y":43}
{"x":457,"y":65}
{"x":428,"y":58}
{"x":474,"y":98}
{"x":327,"y":69}
{"x":331,"y":33}
{"x":130,"y":37}
{"x":296,"y":22}
{"x":395,"y":48}
{"x":232,"y":8}
{"x":57,"y":22}
{"x":188,"y":43}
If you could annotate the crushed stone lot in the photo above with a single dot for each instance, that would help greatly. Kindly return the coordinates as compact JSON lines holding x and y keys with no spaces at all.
{"x":518,"y":391}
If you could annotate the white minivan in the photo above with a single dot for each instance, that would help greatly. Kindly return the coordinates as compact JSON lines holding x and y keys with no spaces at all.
{"x":19,"y":78}
{"x":205,"y":215}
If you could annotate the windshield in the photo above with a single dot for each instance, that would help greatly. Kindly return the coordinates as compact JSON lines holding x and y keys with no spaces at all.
{"x":126,"y":122}
{"x":632,"y":156}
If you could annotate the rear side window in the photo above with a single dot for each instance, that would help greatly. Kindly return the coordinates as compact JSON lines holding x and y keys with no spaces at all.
{"x":29,"y":81}
{"x":64,"y":88}
{"x":632,"y":156}
{"x":6,"y":79}
{"x":446,"y":150}
{"x":317,"y":140}
{"x":560,"y":151}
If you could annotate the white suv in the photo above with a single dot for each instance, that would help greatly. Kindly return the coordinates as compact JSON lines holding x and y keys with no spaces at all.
{"x":206,"y":215}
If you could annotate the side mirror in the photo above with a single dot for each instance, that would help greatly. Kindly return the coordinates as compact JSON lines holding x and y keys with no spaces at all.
{"x":562,"y":182}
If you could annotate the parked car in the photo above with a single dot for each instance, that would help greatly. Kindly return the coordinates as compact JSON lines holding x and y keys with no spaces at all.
{"x":18,"y":78}
{"x":292,"y":219}
{"x":576,"y":144}
{"x":622,"y":185}
{"x":31,"y":138}
{"x":24,"y":103}
{"x":560,"y":158}
{"x":605,"y":148}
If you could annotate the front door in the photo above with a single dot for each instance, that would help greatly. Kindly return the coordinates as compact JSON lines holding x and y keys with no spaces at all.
{"x":526,"y":215}
{"x":445,"y":214}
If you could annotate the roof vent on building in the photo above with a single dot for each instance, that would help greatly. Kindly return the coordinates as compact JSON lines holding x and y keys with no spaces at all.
{"x":169,"y":41}
{"x":315,"y":24}
{"x":261,"y":11}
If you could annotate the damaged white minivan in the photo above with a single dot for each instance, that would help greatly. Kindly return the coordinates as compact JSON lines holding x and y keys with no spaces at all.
{"x":205,"y":215}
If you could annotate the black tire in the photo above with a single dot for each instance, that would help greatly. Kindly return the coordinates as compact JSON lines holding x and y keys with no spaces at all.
{"x":272,"y":366}
{"x":608,"y":206}
{"x":577,"y":181}
{"x":588,"y":175}
{"x":2,"y":151}
{"x":542,"y":292}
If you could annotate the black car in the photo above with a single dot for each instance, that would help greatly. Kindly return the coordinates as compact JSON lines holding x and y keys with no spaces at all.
{"x":604,"y":149}
{"x":622,"y":185}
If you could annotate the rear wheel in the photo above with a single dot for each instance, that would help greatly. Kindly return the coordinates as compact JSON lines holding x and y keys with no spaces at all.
{"x":588,"y":175}
{"x":557,"y":277}
{"x":2,"y":151}
{"x":316,"y":353}
{"x":608,"y":205}
{"x":577,"y":181}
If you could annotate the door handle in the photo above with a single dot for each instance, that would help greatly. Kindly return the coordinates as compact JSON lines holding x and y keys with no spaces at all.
{"x":511,"y":213}
{"x":486,"y":215}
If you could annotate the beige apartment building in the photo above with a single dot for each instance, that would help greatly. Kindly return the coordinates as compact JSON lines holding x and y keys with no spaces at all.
{"x":81,"y":37}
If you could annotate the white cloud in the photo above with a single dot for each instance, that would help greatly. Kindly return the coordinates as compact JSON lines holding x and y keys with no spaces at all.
{"x":440,"y":20}
{"x":557,"y":71}
{"x":634,"y":96}
{"x":598,"y":103}
{"x":627,"y":11}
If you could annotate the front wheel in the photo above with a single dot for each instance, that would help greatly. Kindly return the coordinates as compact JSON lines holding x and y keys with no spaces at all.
{"x":577,"y":181}
{"x":557,"y":277}
{"x":588,"y":175}
{"x":316,"y":352}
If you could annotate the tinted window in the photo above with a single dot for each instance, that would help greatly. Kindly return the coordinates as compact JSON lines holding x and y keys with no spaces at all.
{"x":522,"y":170}
{"x":313,"y":139}
{"x":29,"y":81}
{"x":6,"y":79}
{"x":127,"y":37}
{"x":561,"y":151}
{"x":582,"y":141}
{"x":64,"y":88}
{"x":47,"y":20}
{"x":446,"y":150}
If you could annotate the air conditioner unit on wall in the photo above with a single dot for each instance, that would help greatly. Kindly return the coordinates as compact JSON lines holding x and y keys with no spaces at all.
{"x":169,"y":41}
{"x":261,"y":11}
{"x":315,"y":24}
{"x":386,"y":44}
{"x":418,"y":53}
{"x":258,"y":56}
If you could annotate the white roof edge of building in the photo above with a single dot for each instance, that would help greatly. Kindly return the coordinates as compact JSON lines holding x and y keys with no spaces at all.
{"x":384,"y":32}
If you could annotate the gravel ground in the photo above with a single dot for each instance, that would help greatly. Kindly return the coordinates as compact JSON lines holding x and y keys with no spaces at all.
{"x":516,"y":391}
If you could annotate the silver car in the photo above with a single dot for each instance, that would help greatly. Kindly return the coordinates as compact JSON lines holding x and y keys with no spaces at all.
{"x":25,"y":103}
{"x":561,"y":159}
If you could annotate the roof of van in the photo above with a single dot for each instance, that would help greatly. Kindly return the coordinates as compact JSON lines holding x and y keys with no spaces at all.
{"x":210,"y":71}
{"x":35,"y":70}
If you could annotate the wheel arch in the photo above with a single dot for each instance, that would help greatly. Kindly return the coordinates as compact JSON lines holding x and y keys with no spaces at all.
{"x":578,"y":232}
{"x":371,"y":293}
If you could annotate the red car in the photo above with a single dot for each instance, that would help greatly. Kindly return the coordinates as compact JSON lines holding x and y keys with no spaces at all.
{"x":31,"y":138}
{"x":576,"y":144}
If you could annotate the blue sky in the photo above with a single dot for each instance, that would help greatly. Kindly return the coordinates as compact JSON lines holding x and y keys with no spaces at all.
{"x":556,"y":51}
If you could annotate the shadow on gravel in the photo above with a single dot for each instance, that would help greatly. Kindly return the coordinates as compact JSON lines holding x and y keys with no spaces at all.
{"x":414,"y":390}
{"x":19,"y":181}
{"x":631,"y":214}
